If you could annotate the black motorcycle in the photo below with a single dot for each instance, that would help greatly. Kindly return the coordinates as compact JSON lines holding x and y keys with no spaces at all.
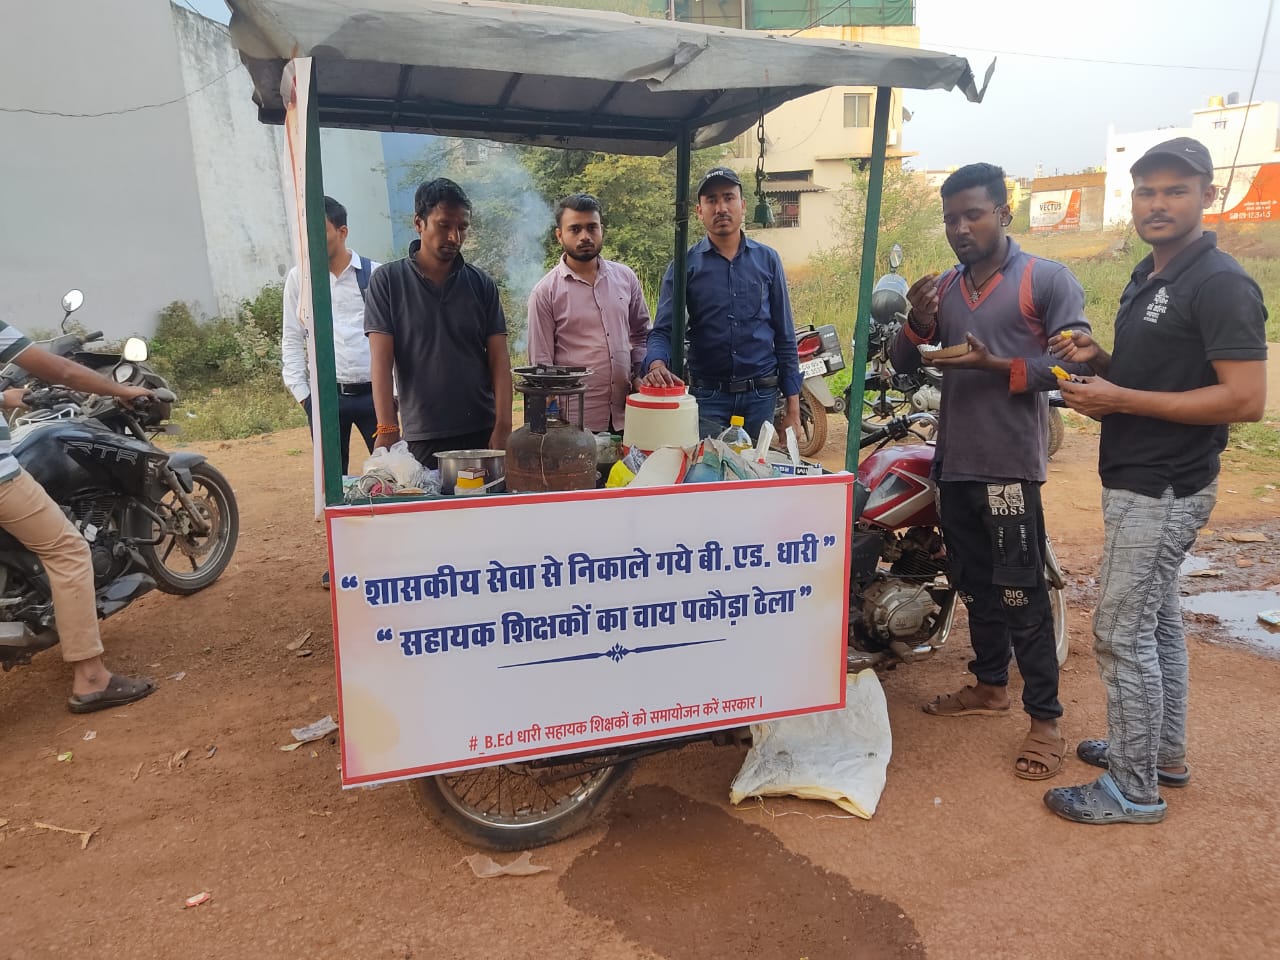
{"x":152,"y":518}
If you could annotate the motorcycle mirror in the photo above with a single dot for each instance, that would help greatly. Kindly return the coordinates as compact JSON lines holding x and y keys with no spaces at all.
{"x":135,"y":350}
{"x":895,"y":257}
{"x":73,"y":300}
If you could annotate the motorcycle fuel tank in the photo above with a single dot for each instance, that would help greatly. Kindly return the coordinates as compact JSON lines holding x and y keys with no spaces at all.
{"x":67,"y":457}
{"x":899,"y":491}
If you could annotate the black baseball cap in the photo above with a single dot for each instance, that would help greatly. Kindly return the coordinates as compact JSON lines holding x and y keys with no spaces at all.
{"x":719,"y":173}
{"x":1192,"y":153}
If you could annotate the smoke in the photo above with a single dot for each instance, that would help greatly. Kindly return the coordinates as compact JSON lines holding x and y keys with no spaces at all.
{"x":510,"y":220}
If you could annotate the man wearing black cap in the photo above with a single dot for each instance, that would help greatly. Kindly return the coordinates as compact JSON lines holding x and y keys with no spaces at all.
{"x":742,"y":343}
{"x":1189,"y":358}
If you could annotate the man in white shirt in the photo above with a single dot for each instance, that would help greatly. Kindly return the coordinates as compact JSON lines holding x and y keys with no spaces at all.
{"x":348,"y":279}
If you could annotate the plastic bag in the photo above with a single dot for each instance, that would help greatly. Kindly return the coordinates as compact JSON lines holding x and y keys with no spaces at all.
{"x":715,"y":460}
{"x":401,"y":464}
{"x":840,"y":755}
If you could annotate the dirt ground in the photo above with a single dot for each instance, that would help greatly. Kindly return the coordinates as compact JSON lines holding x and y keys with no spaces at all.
{"x":961,"y":860}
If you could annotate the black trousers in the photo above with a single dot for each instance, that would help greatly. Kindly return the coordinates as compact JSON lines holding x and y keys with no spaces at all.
{"x":424,"y":451}
{"x":355,"y":412}
{"x":995,"y":534}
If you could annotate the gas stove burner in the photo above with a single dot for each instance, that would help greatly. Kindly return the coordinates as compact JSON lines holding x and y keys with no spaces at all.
{"x":551,"y":379}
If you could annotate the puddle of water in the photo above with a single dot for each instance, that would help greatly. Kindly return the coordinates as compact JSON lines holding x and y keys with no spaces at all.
{"x":1193,"y":563}
{"x":1237,"y":611}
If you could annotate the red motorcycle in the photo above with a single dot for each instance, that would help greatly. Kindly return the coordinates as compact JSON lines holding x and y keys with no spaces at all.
{"x":901,"y":603}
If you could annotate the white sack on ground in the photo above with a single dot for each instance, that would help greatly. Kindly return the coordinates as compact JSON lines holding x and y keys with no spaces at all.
{"x":839,"y":755}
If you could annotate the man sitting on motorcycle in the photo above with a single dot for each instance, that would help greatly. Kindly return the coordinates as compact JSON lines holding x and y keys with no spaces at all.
{"x":30,"y":515}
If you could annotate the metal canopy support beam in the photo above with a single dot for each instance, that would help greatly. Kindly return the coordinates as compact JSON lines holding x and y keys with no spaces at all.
{"x":484,"y":120}
{"x":324,"y":408}
{"x":866,"y":274}
{"x":680,"y":263}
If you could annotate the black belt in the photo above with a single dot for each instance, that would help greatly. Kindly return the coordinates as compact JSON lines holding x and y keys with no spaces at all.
{"x":355,"y":389}
{"x":737,"y":386}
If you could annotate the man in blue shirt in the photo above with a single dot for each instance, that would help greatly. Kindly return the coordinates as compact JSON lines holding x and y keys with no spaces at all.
{"x":742,"y":344}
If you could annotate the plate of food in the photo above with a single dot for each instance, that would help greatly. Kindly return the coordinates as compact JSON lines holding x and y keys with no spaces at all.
{"x":935,"y":351}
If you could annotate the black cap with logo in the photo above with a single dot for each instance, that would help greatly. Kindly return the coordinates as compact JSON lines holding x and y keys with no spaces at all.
{"x":1189,"y":152}
{"x":718,"y":173}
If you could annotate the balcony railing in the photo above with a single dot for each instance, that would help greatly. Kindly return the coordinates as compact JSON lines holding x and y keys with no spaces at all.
{"x":789,"y":14}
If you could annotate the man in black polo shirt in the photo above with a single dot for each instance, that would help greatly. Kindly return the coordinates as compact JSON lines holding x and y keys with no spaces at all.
{"x":1189,"y":358}
{"x":437,"y":322}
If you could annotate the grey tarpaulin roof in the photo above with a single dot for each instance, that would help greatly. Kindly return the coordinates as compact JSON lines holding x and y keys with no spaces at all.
{"x":551,"y":76}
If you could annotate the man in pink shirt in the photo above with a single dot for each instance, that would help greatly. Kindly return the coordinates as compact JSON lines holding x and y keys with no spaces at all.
{"x":589,"y":311}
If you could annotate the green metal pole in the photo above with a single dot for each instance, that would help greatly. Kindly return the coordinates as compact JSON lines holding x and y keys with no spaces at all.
{"x":866,"y":275}
{"x":679,"y":320}
{"x":324,"y":408}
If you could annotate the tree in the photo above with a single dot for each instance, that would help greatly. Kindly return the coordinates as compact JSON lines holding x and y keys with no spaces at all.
{"x":637,"y":195}
{"x":910,"y":215}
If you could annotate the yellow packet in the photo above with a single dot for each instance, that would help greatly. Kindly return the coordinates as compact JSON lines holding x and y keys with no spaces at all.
{"x":1059,"y":373}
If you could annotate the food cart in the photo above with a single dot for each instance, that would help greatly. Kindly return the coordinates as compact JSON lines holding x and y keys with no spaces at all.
{"x":532,"y":643}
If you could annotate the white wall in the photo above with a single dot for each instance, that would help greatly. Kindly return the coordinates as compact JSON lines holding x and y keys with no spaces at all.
{"x":106,"y":204}
{"x":237,"y":166}
{"x":355,"y":176}
{"x":1257,"y":146}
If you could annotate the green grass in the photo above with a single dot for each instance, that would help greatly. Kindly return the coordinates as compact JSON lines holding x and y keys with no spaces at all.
{"x":243,"y":410}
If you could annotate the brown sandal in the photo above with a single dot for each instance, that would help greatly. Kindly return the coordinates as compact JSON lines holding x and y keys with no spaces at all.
{"x":965,"y":702}
{"x":1042,"y":749}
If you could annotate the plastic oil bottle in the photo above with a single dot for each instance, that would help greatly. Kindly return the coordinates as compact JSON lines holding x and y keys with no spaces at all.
{"x":736,"y":436}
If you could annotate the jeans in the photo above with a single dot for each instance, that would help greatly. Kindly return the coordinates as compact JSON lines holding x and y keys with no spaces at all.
{"x":994,"y":533}
{"x":355,"y":412}
{"x":1137,"y":628}
{"x":30,"y":515}
{"x":715,"y":407}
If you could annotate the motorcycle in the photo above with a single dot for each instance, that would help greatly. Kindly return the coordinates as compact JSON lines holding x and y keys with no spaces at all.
{"x":901,"y":603}
{"x":897,"y":394}
{"x":153,"y":519}
{"x":818,"y":349}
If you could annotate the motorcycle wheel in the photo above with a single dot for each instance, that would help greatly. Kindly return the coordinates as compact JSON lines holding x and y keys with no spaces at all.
{"x":813,"y":424}
{"x":208,"y":555}
{"x":1056,"y":430}
{"x":518,"y":807}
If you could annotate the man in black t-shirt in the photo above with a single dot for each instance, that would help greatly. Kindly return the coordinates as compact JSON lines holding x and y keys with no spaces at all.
{"x":437,"y":321}
{"x":1189,"y":358}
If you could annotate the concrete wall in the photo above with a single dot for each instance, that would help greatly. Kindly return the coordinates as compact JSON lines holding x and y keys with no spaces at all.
{"x":237,"y":167}
{"x":105,"y":204}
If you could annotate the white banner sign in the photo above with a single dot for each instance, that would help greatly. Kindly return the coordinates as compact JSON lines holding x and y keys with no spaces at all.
{"x":477,"y":631}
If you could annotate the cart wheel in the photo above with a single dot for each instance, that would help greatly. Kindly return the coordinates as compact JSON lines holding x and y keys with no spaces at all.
{"x":517,"y":806}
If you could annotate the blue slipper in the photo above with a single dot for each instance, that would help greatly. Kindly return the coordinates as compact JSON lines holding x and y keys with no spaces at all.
{"x":1094,"y":752}
{"x":1101,"y":802}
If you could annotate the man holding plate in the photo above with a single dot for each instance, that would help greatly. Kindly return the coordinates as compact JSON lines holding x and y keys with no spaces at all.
{"x":993,"y":315}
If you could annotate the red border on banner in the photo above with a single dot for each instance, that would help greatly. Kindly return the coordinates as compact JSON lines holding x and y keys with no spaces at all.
{"x":480,"y":503}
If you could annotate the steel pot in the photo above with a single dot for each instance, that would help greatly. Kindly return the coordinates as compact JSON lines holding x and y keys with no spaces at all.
{"x":492,"y":462}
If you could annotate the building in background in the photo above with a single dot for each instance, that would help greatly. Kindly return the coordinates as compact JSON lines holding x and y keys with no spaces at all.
{"x":1242,"y":139}
{"x":812,"y":141}
{"x":138,"y":205}
{"x":1069,"y":203}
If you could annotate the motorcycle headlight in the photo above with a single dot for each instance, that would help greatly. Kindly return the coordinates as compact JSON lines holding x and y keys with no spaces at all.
{"x":123,"y":372}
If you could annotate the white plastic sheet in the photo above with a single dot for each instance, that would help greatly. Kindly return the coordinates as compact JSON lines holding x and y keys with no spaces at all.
{"x":841,"y":755}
